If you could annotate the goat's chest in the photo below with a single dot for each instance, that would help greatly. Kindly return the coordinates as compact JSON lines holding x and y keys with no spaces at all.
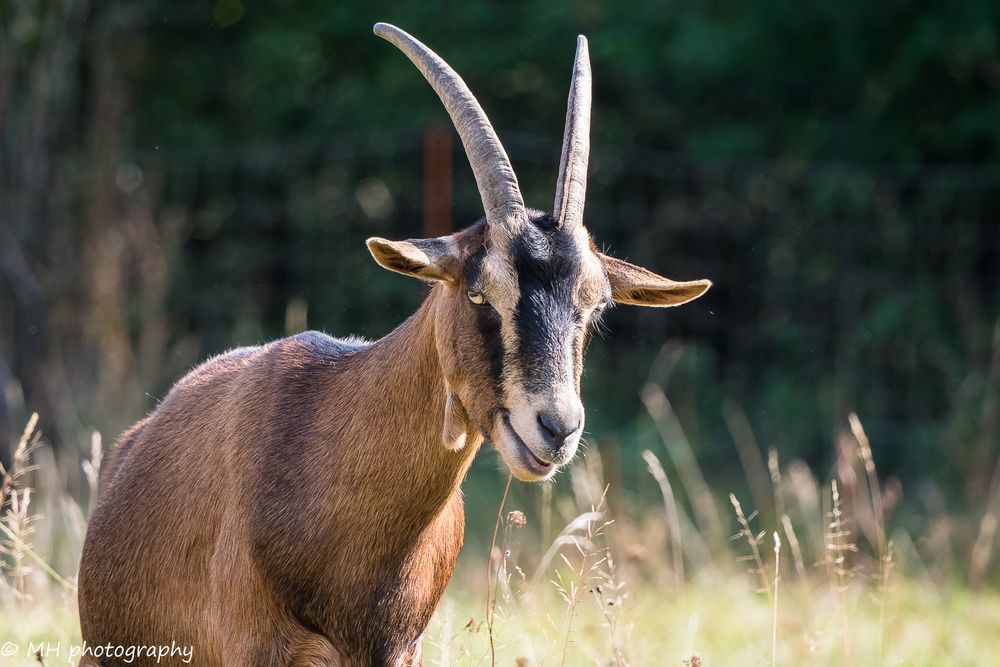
{"x":379,"y":600}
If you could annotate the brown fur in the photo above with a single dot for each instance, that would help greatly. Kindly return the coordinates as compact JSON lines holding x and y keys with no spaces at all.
{"x":292,"y":504}
{"x":299,"y":503}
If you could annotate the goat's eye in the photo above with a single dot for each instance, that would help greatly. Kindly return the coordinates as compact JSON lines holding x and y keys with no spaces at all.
{"x":476,"y":298}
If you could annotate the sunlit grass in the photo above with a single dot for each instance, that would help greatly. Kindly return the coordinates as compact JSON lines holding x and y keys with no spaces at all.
{"x":49,"y":620}
{"x":657,"y":584}
{"x":722,"y":622}
{"x":725,"y":623}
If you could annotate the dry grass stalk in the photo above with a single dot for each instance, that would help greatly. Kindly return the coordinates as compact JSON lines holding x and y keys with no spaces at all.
{"x":775,"y":471}
{"x":444,"y":638}
{"x":810,"y":504}
{"x":982,"y":550}
{"x":874,"y":490}
{"x":490,"y":593}
{"x":693,"y":545}
{"x":591,"y":568}
{"x":883,"y":546}
{"x":673,"y":520}
{"x":838,"y":547}
{"x":609,"y":595}
{"x":502,"y":576}
{"x":515,"y":519}
{"x":92,"y":466}
{"x":753,"y":540}
{"x":587,"y":479}
{"x":16,"y":539}
{"x":570,"y":536}
{"x":15,"y":521}
{"x":749,"y":452}
{"x":882,"y":599}
{"x":793,"y":543}
{"x":546,"y":528}
{"x":28,"y":442}
{"x":17,"y":530}
{"x":774,"y":613}
{"x":680,"y":452}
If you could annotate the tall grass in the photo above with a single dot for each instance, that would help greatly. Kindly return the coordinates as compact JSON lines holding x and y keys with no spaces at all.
{"x":834,"y":609}
{"x":627,"y":582}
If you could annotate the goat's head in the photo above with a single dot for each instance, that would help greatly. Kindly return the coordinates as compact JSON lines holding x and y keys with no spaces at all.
{"x":521,"y":289}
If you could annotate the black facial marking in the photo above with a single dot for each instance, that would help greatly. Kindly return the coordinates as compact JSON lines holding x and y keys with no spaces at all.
{"x":548,"y":264}
{"x":487,"y":322}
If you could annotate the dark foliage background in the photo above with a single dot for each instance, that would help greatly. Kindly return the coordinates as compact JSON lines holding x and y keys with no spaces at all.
{"x":177,"y":178}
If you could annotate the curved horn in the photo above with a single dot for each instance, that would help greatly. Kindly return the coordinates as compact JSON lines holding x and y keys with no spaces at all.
{"x":494,"y":175}
{"x":571,"y":186}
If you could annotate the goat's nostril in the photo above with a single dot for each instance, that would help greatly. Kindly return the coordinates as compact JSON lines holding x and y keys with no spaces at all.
{"x":554,"y":429}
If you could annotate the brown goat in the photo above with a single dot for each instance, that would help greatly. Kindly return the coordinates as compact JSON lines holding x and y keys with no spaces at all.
{"x":299,"y":503}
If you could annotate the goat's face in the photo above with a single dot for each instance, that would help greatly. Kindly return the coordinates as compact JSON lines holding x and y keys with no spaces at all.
{"x":519,"y":291}
{"x":534,"y":296}
{"x":512,"y":317}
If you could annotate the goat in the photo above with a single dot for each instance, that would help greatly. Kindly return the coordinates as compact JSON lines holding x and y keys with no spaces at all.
{"x":299,"y":503}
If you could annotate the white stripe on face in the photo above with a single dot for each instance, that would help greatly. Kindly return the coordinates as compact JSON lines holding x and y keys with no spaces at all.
{"x":544,"y":325}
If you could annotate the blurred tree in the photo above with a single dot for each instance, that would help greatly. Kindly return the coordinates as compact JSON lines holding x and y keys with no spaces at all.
{"x":178,"y":178}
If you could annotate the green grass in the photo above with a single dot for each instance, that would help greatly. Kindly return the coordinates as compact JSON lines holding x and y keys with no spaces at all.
{"x":681,"y":582}
{"x":722,"y":621}
{"x":725,"y":623}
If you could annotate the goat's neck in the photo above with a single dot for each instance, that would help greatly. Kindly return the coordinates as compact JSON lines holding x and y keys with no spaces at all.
{"x":399,"y":387}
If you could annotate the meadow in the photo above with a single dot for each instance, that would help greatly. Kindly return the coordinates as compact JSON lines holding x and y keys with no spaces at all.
{"x":578,"y":574}
{"x":182,"y":178}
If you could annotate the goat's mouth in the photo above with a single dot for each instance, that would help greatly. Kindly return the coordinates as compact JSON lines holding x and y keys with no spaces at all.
{"x":522,"y":461}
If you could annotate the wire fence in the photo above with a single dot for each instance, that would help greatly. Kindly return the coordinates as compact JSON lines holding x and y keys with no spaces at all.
{"x":838,"y":286}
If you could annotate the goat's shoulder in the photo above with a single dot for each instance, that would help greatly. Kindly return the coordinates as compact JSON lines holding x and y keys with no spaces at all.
{"x":319,"y":344}
{"x":303,"y":353}
{"x":301,"y":350}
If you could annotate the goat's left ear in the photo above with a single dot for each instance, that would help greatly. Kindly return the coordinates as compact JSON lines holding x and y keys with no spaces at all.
{"x":427,"y":259}
{"x":636,"y":286}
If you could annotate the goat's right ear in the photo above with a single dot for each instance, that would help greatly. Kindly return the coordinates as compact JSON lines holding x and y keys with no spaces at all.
{"x":637,"y":286}
{"x":427,"y":259}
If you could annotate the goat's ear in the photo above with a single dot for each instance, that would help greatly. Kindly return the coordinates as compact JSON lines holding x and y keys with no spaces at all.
{"x":427,"y":259}
{"x":636,"y":286}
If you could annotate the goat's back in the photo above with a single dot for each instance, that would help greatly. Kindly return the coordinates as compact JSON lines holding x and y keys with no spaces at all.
{"x":168,"y":534}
